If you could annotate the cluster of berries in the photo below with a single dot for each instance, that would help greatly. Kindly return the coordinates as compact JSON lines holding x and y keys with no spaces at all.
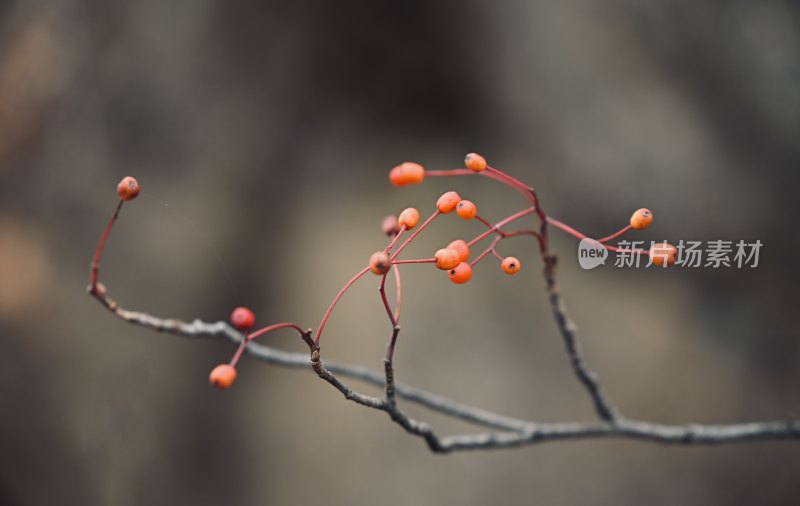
{"x":453,"y":258}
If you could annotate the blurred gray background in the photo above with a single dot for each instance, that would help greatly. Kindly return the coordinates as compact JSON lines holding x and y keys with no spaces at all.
{"x":262,"y":133}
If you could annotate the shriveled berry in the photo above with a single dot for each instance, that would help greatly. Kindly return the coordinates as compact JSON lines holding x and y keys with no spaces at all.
{"x":510,"y":265}
{"x":390,"y":225}
{"x":663,"y":254}
{"x":467,"y":209}
{"x":475,"y":162}
{"x":222,"y":376}
{"x":446,"y":259}
{"x":641,"y":219}
{"x":448,"y":202}
{"x":380,"y":263}
{"x":460,"y":247}
{"x":407,"y":173}
{"x":460,"y":274}
{"x":243,"y":319}
{"x":409,"y":217}
{"x":128,"y":188}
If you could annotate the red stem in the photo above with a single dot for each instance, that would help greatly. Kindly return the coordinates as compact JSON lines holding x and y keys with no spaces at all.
{"x":415,"y":234}
{"x":265,"y":330}
{"x":95,"y":273}
{"x":386,"y":301}
{"x":335,"y":300}
{"x":614,"y":235}
{"x":566,"y":228}
{"x":415,"y":261}
{"x":395,"y":239}
{"x":495,"y":228}
{"x":399,"y":293}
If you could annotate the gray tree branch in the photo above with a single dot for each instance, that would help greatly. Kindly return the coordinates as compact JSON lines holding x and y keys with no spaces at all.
{"x":510,"y":432}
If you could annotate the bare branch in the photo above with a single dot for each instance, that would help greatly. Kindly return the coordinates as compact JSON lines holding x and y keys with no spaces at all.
{"x":514,"y":432}
{"x":569,"y":332}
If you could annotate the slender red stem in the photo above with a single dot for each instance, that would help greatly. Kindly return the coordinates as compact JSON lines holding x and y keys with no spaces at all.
{"x":495,"y":228}
{"x":415,"y":234}
{"x":614,"y":235}
{"x":95,"y":272}
{"x":396,"y":238}
{"x":566,"y":228}
{"x":415,"y":261}
{"x":335,"y":300}
{"x":239,"y":352}
{"x":265,"y":330}
{"x":480,"y":257}
{"x":399,"y":293}
{"x":386,"y":301}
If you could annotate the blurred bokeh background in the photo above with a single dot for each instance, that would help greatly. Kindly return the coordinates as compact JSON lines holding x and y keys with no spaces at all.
{"x":262,"y":133}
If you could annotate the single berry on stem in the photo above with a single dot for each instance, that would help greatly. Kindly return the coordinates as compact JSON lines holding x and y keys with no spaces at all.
{"x":460,"y":274}
{"x":663,"y":254}
{"x":475,"y":162}
{"x":380,"y":263}
{"x":446,"y":259}
{"x":641,"y":219}
{"x":448,"y":202}
{"x":409,"y":217}
{"x":460,"y":247}
{"x":511,"y":265}
{"x":243,"y":319}
{"x":128,"y":188}
{"x":222,"y":376}
{"x":467,"y":209}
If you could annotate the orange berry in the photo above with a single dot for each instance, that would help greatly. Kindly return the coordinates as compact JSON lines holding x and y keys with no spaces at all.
{"x":460,"y":247}
{"x":663,"y":251}
{"x":641,"y":219}
{"x":475,"y":162}
{"x":243,"y":319}
{"x":460,"y":274}
{"x":222,"y":376}
{"x":128,"y":188}
{"x":380,"y":263}
{"x":409,"y":217}
{"x":467,"y":209}
{"x":407,"y":173}
{"x":396,"y":176}
{"x":510,"y":265}
{"x":447,"y":259}
{"x":448,"y":202}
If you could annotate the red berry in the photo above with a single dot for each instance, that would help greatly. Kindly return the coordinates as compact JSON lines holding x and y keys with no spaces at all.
{"x":510,"y":265}
{"x":222,"y":376}
{"x":380,"y":263}
{"x":448,"y":202}
{"x":128,"y":188}
{"x":409,"y":217}
{"x":460,"y":274}
{"x":460,"y":247}
{"x":466,"y":209}
{"x":641,"y":219}
{"x":475,"y":162}
{"x":446,"y":259}
{"x":243,"y":319}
